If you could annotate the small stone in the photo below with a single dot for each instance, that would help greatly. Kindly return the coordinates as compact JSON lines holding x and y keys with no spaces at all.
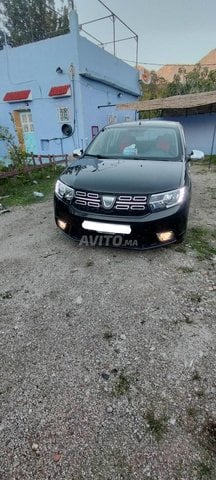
{"x":109,"y":409}
{"x":78,"y":300}
{"x":38,"y":194}
{"x":172,"y":421}
{"x":164,"y":355}
{"x":117,"y":350}
{"x":105,"y":376}
{"x":3,"y":209}
{"x":138,"y":436}
{"x":123,"y":336}
{"x":35,"y":447}
{"x":163,"y":394}
{"x":57,"y":457}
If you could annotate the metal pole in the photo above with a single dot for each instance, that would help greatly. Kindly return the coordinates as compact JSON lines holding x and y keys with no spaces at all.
{"x":96,"y":20}
{"x":212,"y":147}
{"x":114,"y":36}
{"x":117,"y":41}
{"x":116,"y":16}
{"x":61,"y":141}
{"x":137,"y":46}
{"x":92,"y":36}
{"x":5,"y":38}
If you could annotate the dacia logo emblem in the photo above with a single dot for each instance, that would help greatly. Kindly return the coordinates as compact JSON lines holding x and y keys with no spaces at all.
{"x":108,"y":201}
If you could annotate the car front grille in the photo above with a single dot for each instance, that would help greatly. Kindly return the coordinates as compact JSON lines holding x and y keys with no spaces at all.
{"x":131,"y":202}
{"x":87,"y":199}
{"x":123,"y":205}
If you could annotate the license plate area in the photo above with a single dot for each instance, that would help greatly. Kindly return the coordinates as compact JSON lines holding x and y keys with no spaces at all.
{"x":109,"y":228}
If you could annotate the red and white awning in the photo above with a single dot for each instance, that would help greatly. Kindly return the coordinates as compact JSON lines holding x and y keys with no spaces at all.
{"x":60,"y":91}
{"x":18,"y":96}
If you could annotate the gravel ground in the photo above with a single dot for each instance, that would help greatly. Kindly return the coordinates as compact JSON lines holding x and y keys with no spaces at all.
{"x":107,"y":356}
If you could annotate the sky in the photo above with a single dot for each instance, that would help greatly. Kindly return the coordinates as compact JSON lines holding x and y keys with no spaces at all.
{"x":170,"y":31}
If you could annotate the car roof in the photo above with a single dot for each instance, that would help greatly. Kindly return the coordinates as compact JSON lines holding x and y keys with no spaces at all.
{"x":146,"y":123}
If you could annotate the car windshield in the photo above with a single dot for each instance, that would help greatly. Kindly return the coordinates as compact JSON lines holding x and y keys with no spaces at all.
{"x":141,"y":142}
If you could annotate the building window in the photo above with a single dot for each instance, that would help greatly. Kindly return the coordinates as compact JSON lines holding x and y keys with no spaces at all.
{"x":64,"y":114}
{"x":26,"y":122}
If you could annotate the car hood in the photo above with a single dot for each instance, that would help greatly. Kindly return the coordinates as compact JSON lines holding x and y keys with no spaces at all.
{"x":124,"y":175}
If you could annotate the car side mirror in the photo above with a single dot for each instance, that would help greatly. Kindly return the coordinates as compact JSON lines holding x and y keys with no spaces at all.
{"x":77,"y":152}
{"x":196,"y":155}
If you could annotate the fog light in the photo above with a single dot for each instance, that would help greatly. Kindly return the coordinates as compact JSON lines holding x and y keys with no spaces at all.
{"x":165,"y":236}
{"x":62,"y":224}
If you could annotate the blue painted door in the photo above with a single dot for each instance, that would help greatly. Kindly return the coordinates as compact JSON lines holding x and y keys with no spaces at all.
{"x":28,"y":132}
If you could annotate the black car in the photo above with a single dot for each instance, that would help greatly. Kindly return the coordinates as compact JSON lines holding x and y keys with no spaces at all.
{"x":130,"y":188}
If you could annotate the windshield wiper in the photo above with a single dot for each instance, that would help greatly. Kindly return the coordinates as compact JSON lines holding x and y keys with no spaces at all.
{"x":95,"y":156}
{"x":108,"y":157}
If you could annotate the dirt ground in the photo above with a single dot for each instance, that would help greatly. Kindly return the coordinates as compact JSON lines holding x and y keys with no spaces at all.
{"x":107,"y":356}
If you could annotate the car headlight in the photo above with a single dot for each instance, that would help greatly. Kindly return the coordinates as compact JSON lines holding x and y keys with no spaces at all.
{"x":63,"y":191}
{"x":161,"y":201}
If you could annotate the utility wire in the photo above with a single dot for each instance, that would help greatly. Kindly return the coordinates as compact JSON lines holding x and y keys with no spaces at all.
{"x":170,"y":64}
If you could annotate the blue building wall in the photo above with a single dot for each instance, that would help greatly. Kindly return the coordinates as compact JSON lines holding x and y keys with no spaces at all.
{"x":95,"y":76}
{"x":105,"y":81}
{"x":199,"y":130}
{"x":33,"y":66}
{"x":101,"y":112}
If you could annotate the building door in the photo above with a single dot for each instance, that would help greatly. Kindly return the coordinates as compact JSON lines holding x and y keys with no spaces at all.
{"x":28,"y":131}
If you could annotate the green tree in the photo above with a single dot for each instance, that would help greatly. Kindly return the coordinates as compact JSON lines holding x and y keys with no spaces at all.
{"x":32,"y":20}
{"x":17,"y":155}
{"x":157,"y":88}
{"x":198,"y":80}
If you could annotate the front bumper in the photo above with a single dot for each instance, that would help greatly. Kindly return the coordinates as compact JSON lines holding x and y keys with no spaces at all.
{"x":144,"y":229}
